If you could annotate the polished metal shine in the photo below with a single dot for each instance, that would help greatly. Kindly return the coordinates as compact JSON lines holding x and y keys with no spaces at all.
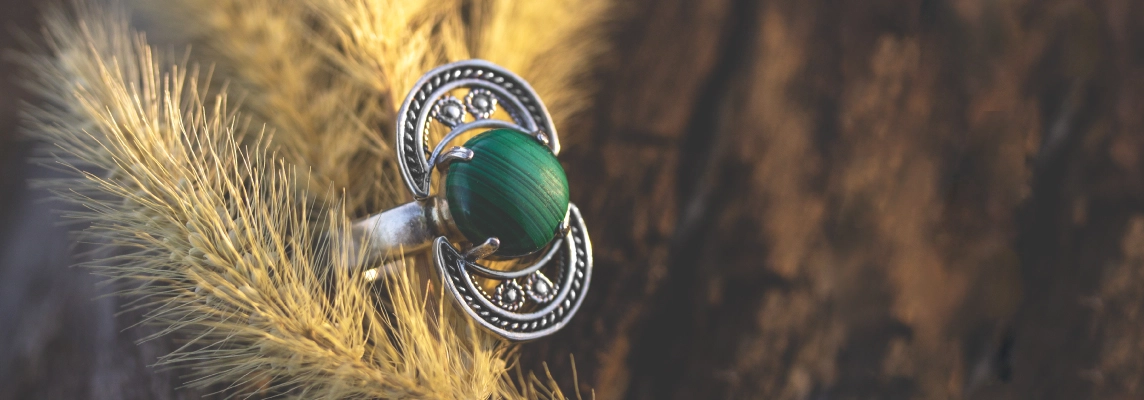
{"x":425,"y":223}
{"x":513,"y":93}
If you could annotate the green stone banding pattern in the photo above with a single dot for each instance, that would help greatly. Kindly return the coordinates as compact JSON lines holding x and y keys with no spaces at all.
{"x":513,"y":189}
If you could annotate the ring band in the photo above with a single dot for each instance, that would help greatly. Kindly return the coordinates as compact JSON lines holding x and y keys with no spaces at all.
{"x":501,"y":195}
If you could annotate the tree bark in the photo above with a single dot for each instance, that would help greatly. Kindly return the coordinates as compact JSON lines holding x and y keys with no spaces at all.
{"x":864,"y":200}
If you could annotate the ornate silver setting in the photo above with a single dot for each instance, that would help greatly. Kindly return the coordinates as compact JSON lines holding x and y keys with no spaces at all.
{"x":510,"y":91}
{"x":509,"y":295}
{"x":481,"y":103}
{"x":449,"y":111}
{"x":539,"y":288}
{"x":571,"y":262}
{"x":528,"y":302}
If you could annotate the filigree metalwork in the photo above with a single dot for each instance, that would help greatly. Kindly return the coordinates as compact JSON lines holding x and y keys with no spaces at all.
{"x":449,"y":111}
{"x":554,"y":285}
{"x":512,"y":93}
{"x":481,"y":103}
{"x":572,"y":261}
{"x":539,"y":288}
{"x":509,"y":296}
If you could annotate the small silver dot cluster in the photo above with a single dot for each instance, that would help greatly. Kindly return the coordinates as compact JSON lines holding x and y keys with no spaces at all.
{"x":539,"y":288}
{"x":449,"y":111}
{"x":416,"y":165}
{"x":509,"y":295}
{"x":501,"y":315}
{"x":481,"y":103}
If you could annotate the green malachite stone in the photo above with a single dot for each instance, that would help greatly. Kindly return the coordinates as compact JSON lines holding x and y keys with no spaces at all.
{"x":513,"y":189}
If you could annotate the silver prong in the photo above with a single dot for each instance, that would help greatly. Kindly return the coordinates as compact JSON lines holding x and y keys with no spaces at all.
{"x":483,"y":250}
{"x":562,"y":231}
{"x":541,"y":137}
{"x":458,"y":153}
{"x":565,"y":225}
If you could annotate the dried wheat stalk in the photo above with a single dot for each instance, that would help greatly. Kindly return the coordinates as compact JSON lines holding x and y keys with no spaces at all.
{"x":227,"y":217}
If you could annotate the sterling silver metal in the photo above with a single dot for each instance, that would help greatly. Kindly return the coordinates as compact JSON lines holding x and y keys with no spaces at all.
{"x":574,"y":255}
{"x":483,"y":250}
{"x":512,"y":93}
{"x":407,"y":228}
{"x":456,"y":154}
{"x":527,"y":303}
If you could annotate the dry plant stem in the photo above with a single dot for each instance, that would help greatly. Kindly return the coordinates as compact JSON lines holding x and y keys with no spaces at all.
{"x":216,"y":224}
{"x":553,"y":44}
{"x":323,"y":121}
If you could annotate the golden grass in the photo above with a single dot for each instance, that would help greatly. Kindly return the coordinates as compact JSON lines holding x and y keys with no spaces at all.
{"x":228,"y":218}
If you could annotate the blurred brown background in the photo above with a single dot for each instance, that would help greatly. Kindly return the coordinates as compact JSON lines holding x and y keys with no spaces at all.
{"x":791,"y":199}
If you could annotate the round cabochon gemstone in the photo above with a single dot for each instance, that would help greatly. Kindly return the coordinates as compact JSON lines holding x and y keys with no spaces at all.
{"x":513,"y":189}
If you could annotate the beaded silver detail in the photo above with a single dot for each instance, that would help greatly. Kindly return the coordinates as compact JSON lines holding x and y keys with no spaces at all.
{"x":527,"y":112}
{"x":509,"y":295}
{"x":528,"y":302}
{"x":539,"y":288}
{"x":481,"y":103}
{"x":449,"y":111}
{"x":572,"y":264}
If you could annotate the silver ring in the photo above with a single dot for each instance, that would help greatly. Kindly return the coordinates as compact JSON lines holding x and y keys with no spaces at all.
{"x":507,"y":190}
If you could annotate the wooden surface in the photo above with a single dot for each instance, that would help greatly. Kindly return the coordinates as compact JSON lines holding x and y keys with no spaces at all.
{"x":814,"y":199}
{"x":788,"y":199}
